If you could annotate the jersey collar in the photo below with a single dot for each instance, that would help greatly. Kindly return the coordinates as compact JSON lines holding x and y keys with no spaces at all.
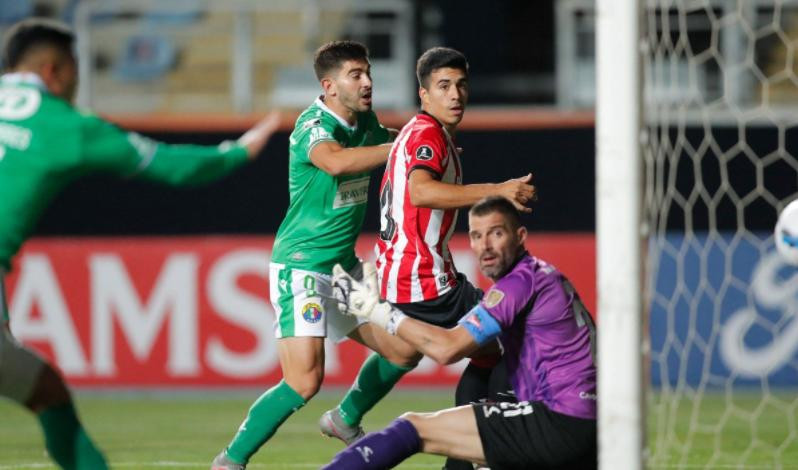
{"x":436,"y":121}
{"x":24,"y":78}
{"x":342,"y":121}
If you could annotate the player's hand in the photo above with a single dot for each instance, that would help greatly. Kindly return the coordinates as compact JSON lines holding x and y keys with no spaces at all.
{"x":519,"y":192}
{"x":362,"y":298}
{"x":354,"y":297}
{"x":257,"y":137}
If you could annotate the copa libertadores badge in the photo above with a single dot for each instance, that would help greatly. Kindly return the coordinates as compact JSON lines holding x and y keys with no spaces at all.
{"x":424,"y":153}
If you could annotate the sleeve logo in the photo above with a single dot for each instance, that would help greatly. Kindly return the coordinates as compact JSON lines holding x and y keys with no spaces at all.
{"x":493,"y":298}
{"x":319,"y":133}
{"x":311,"y":123}
{"x":424,"y":153}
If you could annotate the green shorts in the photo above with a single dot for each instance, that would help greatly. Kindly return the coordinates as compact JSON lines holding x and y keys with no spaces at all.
{"x":304,"y":304}
{"x":19,"y":366}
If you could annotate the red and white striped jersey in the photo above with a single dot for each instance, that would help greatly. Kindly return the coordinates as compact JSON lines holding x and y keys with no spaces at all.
{"x":413,"y":259}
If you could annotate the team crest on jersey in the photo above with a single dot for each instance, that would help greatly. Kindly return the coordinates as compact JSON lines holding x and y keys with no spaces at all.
{"x":424,"y":153}
{"x":493,"y":298}
{"x":312,"y":312}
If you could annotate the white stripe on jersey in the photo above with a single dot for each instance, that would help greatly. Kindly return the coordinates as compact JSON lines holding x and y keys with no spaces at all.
{"x":416,"y":294}
{"x":431,"y":238}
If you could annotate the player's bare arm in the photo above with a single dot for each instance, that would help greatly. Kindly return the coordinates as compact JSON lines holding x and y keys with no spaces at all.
{"x":444,"y":346}
{"x":257,"y":137}
{"x":334,"y":159}
{"x":427,"y":191}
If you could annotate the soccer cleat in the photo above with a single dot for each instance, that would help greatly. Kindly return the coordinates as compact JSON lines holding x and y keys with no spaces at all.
{"x":332,"y":425}
{"x":223,"y":462}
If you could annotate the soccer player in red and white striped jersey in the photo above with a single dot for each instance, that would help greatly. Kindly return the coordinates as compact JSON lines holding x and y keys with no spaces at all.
{"x":420,"y":194}
{"x":422,"y":188}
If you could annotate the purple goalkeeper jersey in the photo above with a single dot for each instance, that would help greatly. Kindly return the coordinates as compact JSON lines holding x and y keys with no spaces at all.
{"x":548,"y":337}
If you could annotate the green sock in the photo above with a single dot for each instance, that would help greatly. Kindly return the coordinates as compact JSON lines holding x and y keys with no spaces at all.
{"x":67,"y":441}
{"x":264,"y":417}
{"x":376,"y":378}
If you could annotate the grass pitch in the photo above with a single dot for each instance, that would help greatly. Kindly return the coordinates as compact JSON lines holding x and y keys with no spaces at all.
{"x":184,"y":430}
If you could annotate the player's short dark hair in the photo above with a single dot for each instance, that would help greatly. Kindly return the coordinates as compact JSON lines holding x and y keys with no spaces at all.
{"x":498,"y":204}
{"x":438,"y":58}
{"x":32,"y":33}
{"x":332,"y":56}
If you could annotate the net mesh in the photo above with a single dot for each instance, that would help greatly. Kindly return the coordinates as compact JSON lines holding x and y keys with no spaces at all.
{"x":720,"y":140}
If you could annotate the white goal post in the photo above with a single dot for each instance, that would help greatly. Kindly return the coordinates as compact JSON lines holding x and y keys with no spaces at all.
{"x":618,"y":242}
{"x":697,"y":154}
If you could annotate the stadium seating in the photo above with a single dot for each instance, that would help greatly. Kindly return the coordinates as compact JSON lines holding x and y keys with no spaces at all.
{"x":145,"y":57}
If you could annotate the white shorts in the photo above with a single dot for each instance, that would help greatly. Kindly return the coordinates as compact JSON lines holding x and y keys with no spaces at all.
{"x":19,"y":366}
{"x":304,"y":305}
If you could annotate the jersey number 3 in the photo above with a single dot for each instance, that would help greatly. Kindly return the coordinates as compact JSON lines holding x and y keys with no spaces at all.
{"x":387,"y":224}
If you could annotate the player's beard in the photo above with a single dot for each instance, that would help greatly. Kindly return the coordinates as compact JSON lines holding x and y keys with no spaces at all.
{"x":503,"y":262}
{"x":352,"y":101}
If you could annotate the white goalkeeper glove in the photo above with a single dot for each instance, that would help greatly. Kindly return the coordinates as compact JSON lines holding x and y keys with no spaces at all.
{"x":362,"y":299}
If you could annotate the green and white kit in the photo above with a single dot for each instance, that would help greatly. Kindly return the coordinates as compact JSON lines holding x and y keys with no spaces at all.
{"x":325,"y":216}
{"x":45,"y":143}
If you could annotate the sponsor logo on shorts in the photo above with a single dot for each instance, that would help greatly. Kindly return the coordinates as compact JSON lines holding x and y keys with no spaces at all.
{"x":508,"y":409}
{"x":312,"y":312}
{"x":493,"y":298}
{"x":424,"y":153}
{"x":587,"y":396}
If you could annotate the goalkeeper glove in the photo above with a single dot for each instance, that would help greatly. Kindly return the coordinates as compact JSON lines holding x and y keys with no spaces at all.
{"x":362,"y":299}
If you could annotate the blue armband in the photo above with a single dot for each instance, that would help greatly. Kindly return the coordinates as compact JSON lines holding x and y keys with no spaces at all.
{"x":481,"y":325}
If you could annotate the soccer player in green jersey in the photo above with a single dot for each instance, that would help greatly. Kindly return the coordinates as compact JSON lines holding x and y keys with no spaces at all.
{"x":45,"y":143}
{"x":334,"y":145}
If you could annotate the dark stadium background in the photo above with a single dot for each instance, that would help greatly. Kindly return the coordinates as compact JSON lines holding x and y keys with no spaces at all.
{"x":511,"y":51}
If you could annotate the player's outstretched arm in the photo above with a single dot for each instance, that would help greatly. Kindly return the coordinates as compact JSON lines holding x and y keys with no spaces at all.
{"x":361,"y":299}
{"x":444,"y":346}
{"x":332,"y":158}
{"x":427,"y":191}
{"x":258,"y":136}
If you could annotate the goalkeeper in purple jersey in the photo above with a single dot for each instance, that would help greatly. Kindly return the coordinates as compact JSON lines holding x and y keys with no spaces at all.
{"x":548,"y":338}
{"x":45,"y":143}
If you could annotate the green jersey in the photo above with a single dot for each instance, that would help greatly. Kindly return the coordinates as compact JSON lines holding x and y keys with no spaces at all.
{"x":45,"y":143}
{"x":325,"y":213}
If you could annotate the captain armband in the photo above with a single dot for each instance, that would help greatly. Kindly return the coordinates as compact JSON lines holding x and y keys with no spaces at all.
{"x":481,"y":325}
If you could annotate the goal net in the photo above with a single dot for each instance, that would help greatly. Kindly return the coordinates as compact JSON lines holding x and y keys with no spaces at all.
{"x":719,"y":138}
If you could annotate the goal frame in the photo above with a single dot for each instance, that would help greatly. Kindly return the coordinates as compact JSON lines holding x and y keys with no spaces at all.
{"x":621,"y":390}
